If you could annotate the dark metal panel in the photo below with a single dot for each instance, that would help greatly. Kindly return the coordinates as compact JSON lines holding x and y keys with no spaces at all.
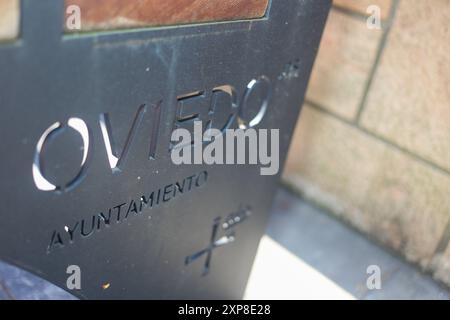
{"x":48,"y":77}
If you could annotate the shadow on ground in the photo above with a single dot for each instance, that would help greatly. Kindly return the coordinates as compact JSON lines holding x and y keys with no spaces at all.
{"x":335,"y":256}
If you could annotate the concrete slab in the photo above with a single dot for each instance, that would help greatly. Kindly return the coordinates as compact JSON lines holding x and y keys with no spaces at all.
{"x":324,"y":246}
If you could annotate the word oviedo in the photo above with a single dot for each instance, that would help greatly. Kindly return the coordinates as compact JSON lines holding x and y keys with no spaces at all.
{"x":217,"y":109}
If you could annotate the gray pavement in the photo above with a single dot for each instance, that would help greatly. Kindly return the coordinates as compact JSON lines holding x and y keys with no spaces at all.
{"x":340,"y":255}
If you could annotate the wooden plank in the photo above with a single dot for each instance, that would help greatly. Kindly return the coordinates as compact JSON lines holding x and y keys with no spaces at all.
{"x":116,"y":14}
{"x":9,"y":19}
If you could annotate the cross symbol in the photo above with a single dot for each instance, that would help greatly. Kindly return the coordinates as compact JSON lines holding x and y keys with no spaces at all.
{"x":212,"y":245}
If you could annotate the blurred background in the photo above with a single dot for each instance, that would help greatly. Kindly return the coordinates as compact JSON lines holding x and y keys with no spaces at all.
{"x":372,"y":145}
{"x":367,"y":181}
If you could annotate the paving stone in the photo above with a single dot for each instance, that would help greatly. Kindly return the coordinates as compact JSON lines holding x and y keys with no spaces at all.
{"x":335,"y":256}
{"x":26,"y":286}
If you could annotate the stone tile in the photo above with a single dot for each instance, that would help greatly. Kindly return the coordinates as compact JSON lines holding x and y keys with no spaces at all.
{"x":361,"y":6}
{"x":401,"y":202}
{"x":23,"y":285}
{"x":343,"y":64}
{"x":279,"y":274}
{"x":9,"y":19}
{"x":409,"y":101}
{"x":308,"y":254}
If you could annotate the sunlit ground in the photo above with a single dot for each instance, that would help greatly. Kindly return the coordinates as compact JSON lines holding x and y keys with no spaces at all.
{"x":308,"y":254}
{"x":279,"y":274}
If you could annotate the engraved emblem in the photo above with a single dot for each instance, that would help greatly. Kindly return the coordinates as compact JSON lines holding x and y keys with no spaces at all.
{"x":228,"y":224}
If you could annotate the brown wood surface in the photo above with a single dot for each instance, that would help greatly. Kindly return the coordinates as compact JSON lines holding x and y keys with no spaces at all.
{"x":114,"y":14}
